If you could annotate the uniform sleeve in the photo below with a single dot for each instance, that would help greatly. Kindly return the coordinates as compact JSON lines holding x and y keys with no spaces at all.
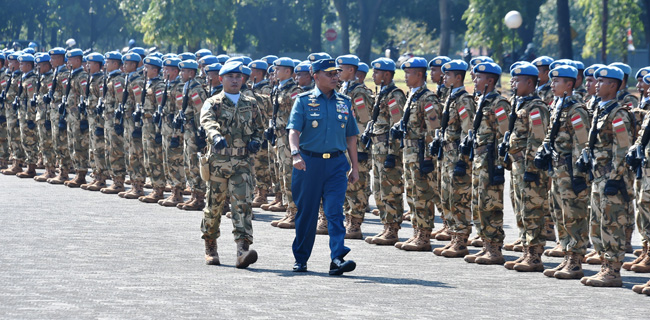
{"x":396,"y":102}
{"x":639,"y":135}
{"x":538,"y":121}
{"x":431,"y":112}
{"x":622,"y":133}
{"x":297,"y":116}
{"x":209,"y":120}
{"x":351,"y":129}
{"x":579,"y":121}
{"x":258,"y":122}
{"x":466,"y":111}
{"x":501,"y":112}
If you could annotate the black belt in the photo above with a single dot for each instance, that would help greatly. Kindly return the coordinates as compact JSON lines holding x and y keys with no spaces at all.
{"x":322,"y":155}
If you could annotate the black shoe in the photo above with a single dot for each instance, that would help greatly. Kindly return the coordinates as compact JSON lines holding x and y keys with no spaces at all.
{"x":299,"y":267}
{"x":338,"y":266}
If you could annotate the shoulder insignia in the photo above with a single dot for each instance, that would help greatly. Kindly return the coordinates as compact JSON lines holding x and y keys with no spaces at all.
{"x":579,"y":129}
{"x":462,"y":112}
{"x":622,"y":136}
{"x":83,"y":82}
{"x":118,"y":87}
{"x":179,"y":97}
{"x":294,"y":95}
{"x":196,"y":98}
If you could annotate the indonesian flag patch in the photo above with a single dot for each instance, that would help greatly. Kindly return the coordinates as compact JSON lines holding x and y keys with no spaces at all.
{"x":293,"y":95}
{"x":576,"y":121}
{"x":622,"y":137}
{"x":196,"y":98}
{"x":3,"y":82}
{"x":30,"y":88}
{"x":619,"y":125}
{"x":118,"y":87}
{"x":462,"y":112}
{"x":536,"y":118}
{"x":501,"y":114}
{"x":159,"y":96}
{"x":428,"y":108}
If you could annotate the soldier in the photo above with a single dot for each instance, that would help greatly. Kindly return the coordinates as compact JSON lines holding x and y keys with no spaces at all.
{"x":233,"y":123}
{"x":415,"y":130}
{"x":27,"y":114}
{"x":610,"y":137}
{"x":95,"y":104}
{"x":563,"y":143}
{"x":205,"y":61}
{"x":543,"y":84}
{"x":590,"y":84}
{"x":625,"y":97}
{"x":261,"y":90}
{"x":437,"y":76}
{"x":474,"y":62}
{"x":10,"y":110}
{"x":303,"y":76}
{"x":276,"y":179}
{"x":580,"y":91}
{"x":43,"y":123}
{"x":362,"y":71}
{"x":528,"y":123}
{"x":214,"y":84}
{"x":4,"y":143}
{"x":387,"y":168}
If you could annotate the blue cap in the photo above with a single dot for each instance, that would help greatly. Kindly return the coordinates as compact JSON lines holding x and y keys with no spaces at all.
{"x":524,"y":69}
{"x":246,"y":60}
{"x":579,"y":65}
{"x":438,"y":61}
{"x":516,"y":64}
{"x":246,"y":70}
{"x":213,"y":67}
{"x":57,"y":50}
{"x":189,"y":64}
{"x":487,"y":67}
{"x":169,"y":56}
{"x":26,"y":57}
{"x":231,"y":67}
{"x":258,"y":64}
{"x":172,"y":62}
{"x":642,"y":72}
{"x":271,"y":69}
{"x":14,"y":55}
{"x":296,"y":62}
{"x":96,"y":57}
{"x":269,"y":59}
{"x":202,"y":53}
{"x":543,"y":61}
{"x":29,"y":50}
{"x":156,"y":54}
{"x":32,"y":44}
{"x":624,"y":67}
{"x":187,"y":56}
{"x":348,"y":59}
{"x":2,"y":55}
{"x":455,"y":65}
{"x":324,"y":65}
{"x":284,"y":62}
{"x":74,"y":53}
{"x":111,"y":55}
{"x":480,"y":59}
{"x":646,"y":79}
{"x":44,"y":57}
{"x":83,"y":59}
{"x":154,"y":61}
{"x":131,"y":56}
{"x":235,"y":59}
{"x":415,"y":62}
{"x":383,"y":64}
{"x":609,"y":72}
{"x":138,"y":50}
{"x":565,"y":71}
{"x":589,"y":72}
{"x":363,"y":67}
{"x":303,"y":67}
{"x":315,"y":56}
{"x":208,"y":59}
{"x":563,"y":62}
{"x":223,"y":58}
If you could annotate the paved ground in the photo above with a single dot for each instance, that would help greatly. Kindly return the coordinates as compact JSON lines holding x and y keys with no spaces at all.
{"x":76,"y":254}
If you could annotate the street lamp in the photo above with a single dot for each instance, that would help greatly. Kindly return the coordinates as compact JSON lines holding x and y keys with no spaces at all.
{"x":513,"y":21}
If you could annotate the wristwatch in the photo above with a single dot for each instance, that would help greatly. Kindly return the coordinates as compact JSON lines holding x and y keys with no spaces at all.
{"x":295,"y":152}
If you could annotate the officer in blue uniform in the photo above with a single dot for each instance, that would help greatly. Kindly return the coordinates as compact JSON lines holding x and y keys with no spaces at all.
{"x":322,"y":127}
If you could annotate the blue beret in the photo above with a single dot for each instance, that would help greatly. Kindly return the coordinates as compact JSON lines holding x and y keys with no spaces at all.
{"x":223,"y":58}
{"x":131,"y":56}
{"x":624,"y":67}
{"x":563,"y":62}
{"x":213,"y":67}
{"x":284,"y":62}
{"x":543,"y":61}
{"x":208,"y":59}
{"x":246,"y":60}
{"x":187,"y":56}
{"x":348,"y":59}
{"x":14,"y":55}
{"x":246,"y":70}
{"x":172,"y":62}
{"x":2,"y":55}
{"x":32,"y":44}
{"x":646,"y":79}
{"x":487,"y":67}
{"x":26,"y":57}
{"x":516,"y":64}
{"x":154,"y":61}
{"x":138,"y":50}
{"x":313,"y":57}
{"x":324,"y":65}
{"x":479,"y":59}
{"x":271,"y":69}
{"x":525,"y":69}
{"x":438,"y":61}
{"x":84,"y":59}
{"x":383,"y":64}
{"x":96,"y":57}
{"x":296,"y":62}
{"x":415,"y":62}
{"x":112,"y":55}
{"x":44,"y":57}
{"x":258,"y":64}
{"x":156,"y":54}
{"x":642,"y":72}
{"x":29,"y":50}
{"x":189,"y":64}
{"x":231,"y":67}
{"x":565,"y":71}
{"x":609,"y":72}
{"x":74,"y":53}
{"x":236,"y":59}
{"x":454,"y":65}
{"x":363,"y":67}
{"x":57,"y":50}
{"x":269,"y":59}
{"x":303,"y":67}
{"x":168,"y":56}
{"x":589,"y":72}
{"x":202,"y":53}
{"x":579,"y":65}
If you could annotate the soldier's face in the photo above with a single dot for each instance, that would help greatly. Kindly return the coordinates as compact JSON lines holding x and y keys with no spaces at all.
{"x":413,"y":77}
{"x":74,"y":62}
{"x":326,"y":81}
{"x":170,"y":72}
{"x":378,"y":76}
{"x":187,"y":74}
{"x":26,"y":67}
{"x":214,"y":78}
{"x":303,"y":78}
{"x":232,"y":82}
{"x":480,"y":80}
{"x":347,"y":72}
{"x":56,"y":60}
{"x":560,"y":85}
{"x":590,"y":85}
{"x":14,"y":65}
{"x":257,"y":75}
{"x":44,"y":67}
{"x":606,"y":88}
{"x":152,"y":71}
{"x":283,"y":73}
{"x":642,"y":87}
{"x":130,"y":66}
{"x":543,"y":74}
{"x":361,"y":76}
{"x":436,"y":73}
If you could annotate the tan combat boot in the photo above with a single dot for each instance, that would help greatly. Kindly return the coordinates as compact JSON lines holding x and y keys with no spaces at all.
{"x":3,"y":164}
{"x":278,"y":198}
{"x":573,"y":268}
{"x":471,"y":258}
{"x":60,"y":178}
{"x":493,"y":254}
{"x":595,"y":259}
{"x":551,"y":272}
{"x":290,"y":221}
{"x":458,"y":248}
{"x":399,"y":244}
{"x":278,"y":207}
{"x":98,"y":184}
{"x":609,"y":276}
{"x":245,"y":257}
{"x":589,"y":255}
{"x":510,"y":265}
{"x":371,"y":239}
{"x":353,"y":230}
{"x":39,"y":163}
{"x":137,"y":191}
{"x":116,"y":187}
{"x":421,"y":243}
{"x":78,"y":180}
{"x":511,"y":246}
{"x":187,"y":191}
{"x":639,"y":288}
{"x":628,"y":239}
{"x":197,"y":203}
{"x":533,"y":260}
{"x":321,"y":226}
{"x":628,"y":265}
{"x":211,"y":255}
{"x":476,"y":242}
{"x":14,"y":169}
{"x":557,"y":251}
{"x":549,"y":230}
{"x":30,"y":173}
{"x":48,"y":174}
{"x":168,"y":188}
{"x":444,"y":234}
{"x":435,"y":233}
{"x":439,"y":251}
{"x":642,"y":266}
{"x":390,"y":237}
{"x":154,"y":196}
{"x":173,"y":199}
{"x":260,"y":199}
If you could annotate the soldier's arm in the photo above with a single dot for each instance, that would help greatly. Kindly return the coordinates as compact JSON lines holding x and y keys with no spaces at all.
{"x":501,"y":112}
{"x":639,"y":134}
{"x":579,"y":121}
{"x":537,"y":121}
{"x":622,"y":140}
{"x":209,"y":119}
{"x":430,"y":110}
{"x":466,"y":111}
{"x":258,"y":122}
{"x":396,"y":101}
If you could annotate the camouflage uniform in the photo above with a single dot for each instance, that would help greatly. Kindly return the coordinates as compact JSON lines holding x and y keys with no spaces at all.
{"x":13,"y":123}
{"x":196,"y":97}
{"x":135,"y":160}
{"x":43,"y":123}
{"x":287,"y":94}
{"x":580,"y":93}
{"x":114,"y":142}
{"x":544,"y":92}
{"x":27,"y":117}
{"x":631,"y":102}
{"x":263,"y":175}
{"x":643,"y":190}
{"x":96,"y":125}
{"x":153,"y":148}
{"x":231,"y":169}
{"x":77,"y":139}
{"x":4,"y":142}
{"x":174,"y":169}
{"x":59,"y":134}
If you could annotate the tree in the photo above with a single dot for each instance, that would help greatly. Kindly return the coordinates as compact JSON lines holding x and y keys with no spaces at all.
{"x":564,"y":29}
{"x":445,"y":32}
{"x":344,"y":17}
{"x":369,"y":14}
{"x":316,"y":19}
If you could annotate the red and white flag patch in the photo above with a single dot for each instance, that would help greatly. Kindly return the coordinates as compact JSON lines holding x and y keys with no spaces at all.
{"x":196,"y":98}
{"x":576,"y":121}
{"x":501,"y":114}
{"x":428,"y":108}
{"x":618,"y":125}
{"x":536,"y":118}
{"x":462,"y":112}
{"x":293,"y":95}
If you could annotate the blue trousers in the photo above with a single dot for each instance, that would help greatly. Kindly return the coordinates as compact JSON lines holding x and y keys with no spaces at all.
{"x":326,"y":180}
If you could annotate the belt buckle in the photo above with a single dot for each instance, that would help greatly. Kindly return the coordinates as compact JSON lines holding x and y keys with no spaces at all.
{"x":326,"y":155}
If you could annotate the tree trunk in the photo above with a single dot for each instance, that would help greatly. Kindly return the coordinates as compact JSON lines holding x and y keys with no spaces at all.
{"x":445,"y":33}
{"x":527,"y":30}
{"x":344,"y":18}
{"x":603,"y":52}
{"x":316,"y":28}
{"x":564,"y":29}
{"x":646,"y":23}
{"x":369,"y":13}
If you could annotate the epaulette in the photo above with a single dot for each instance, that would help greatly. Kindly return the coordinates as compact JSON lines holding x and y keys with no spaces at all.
{"x":343,"y":96}
{"x":304,"y":94}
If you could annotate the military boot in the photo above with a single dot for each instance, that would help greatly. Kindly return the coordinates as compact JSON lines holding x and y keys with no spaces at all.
{"x":399,"y":244}
{"x":510,"y":265}
{"x":573,"y":268}
{"x":493,"y":254}
{"x":439,"y":251}
{"x":30,"y":173}
{"x":116,"y":187}
{"x":168,"y":188}
{"x":278,"y":198}
{"x":421,"y":243}
{"x":14,"y":169}
{"x":549,"y":230}
{"x":137,"y":191}
{"x":642,"y":266}
{"x":245,"y":257}
{"x":321,"y":226}
{"x":98,"y":184}
{"x":353,"y":230}
{"x":589,"y":255}
{"x":79,"y":179}
{"x":147,"y":184}
{"x":39,"y":163}
{"x":211,"y":255}
{"x":435,"y":233}
{"x":3,"y":164}
{"x":532,"y":261}
{"x":48,"y":174}
{"x":628,"y":239}
{"x":595,"y":259}
{"x":173,"y":199}
{"x":511,"y":246}
{"x":187,"y":191}
{"x":390,"y":237}
{"x":444,"y":234}
{"x":197,"y":203}
{"x":458,"y":248}
{"x":628,"y":265}
{"x":290,"y":221}
{"x":154,"y":196}
{"x":639,"y":288}
{"x":471,"y":258}
{"x":637,"y":252}
{"x":551,"y":272}
{"x":609,"y":276}
{"x":477,"y":241}
{"x":88,"y":184}
{"x":60,"y":178}
{"x":260,"y":199}
{"x":371,"y":239}
{"x":278,"y":207}
{"x":557,"y":251}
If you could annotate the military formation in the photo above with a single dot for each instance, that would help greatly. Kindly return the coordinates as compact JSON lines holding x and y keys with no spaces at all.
{"x":573,"y":139}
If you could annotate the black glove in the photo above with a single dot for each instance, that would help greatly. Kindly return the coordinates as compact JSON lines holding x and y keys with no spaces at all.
{"x":460,"y":170}
{"x":156,"y":117}
{"x":498,"y":176}
{"x":32,"y":102}
{"x":612,"y":187}
{"x":137,"y":133}
{"x":426,"y":167}
{"x":390,"y":161}
{"x":269,"y":134}
{"x":503,"y":149}
{"x":362,"y":156}
{"x":466,"y":146}
{"x":136,"y":116}
{"x":31,"y":125}
{"x":531,"y":177}
{"x":174,"y":142}
{"x":3,"y":118}
{"x":15,"y":105}
{"x":541,"y":160}
{"x":63,"y":125}
{"x":219,"y":142}
{"x":99,"y":132}
{"x":265,"y":144}
{"x":47,"y":99}
{"x":578,"y":184}
{"x":83,"y":125}
{"x":119,"y":129}
{"x":2,"y":99}
{"x":364,"y":139}
{"x":158,"y":138}
{"x":253,"y":146}
{"x":631,"y":158}
{"x":118,"y":113}
{"x":434,"y":147}
{"x":396,"y":132}
{"x":583,"y":166}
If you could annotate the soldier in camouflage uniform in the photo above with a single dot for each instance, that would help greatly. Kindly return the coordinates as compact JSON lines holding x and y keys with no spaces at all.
{"x":544,"y":85}
{"x":579,"y":90}
{"x":214,"y":84}
{"x":387,"y":167}
{"x":233,"y":124}
{"x":261,"y":90}
{"x":13,"y":126}
{"x":27,"y":114}
{"x":569,"y":187}
{"x":43,"y":119}
{"x":4,"y":143}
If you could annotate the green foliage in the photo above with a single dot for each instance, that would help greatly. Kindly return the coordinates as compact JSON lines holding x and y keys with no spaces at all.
{"x":412,"y":37}
{"x":546,"y":36}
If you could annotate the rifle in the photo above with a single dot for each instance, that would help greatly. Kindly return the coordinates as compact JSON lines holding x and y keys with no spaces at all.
{"x":435,"y":147}
{"x":158,"y":115}
{"x":16,"y":103}
{"x":119,"y":112}
{"x":269,"y":133}
{"x":99,"y":110}
{"x":543,"y":157}
{"x":366,"y":137}
{"x":50,"y":94}
{"x":199,"y":133}
{"x":402,"y":125}
{"x":467,"y":147}
{"x":32,"y":102}
{"x":505,"y":144}
{"x":179,"y":119}
{"x":83,"y":106}
{"x":63,"y":124}
{"x":137,"y":113}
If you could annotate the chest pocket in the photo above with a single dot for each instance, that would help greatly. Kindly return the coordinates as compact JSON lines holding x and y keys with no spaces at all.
{"x":245,"y":119}
{"x":226,"y":116}
{"x":342,"y":120}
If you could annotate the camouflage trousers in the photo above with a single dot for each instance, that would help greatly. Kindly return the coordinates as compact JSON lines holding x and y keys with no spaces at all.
{"x":389,"y":183}
{"x":4,"y":142}
{"x":229,"y":176}
{"x":274,"y":168}
{"x":420,"y":190}
{"x":609,"y":217}
{"x":455,"y":194}
{"x":153,"y":153}
{"x":45,"y":146}
{"x":29,"y":134}
{"x":555,"y":211}
{"x":60,"y":140}
{"x":630,"y":209}
{"x":572,"y":211}
{"x":283,"y":156}
{"x":358,"y":194}
{"x":114,"y":147}
{"x":191,"y":159}
{"x":515,"y":204}
{"x":78,"y":141}
{"x":529,"y":205}
{"x":263,"y":170}
{"x":13,"y":134}
{"x":175,"y":169}
{"x":643,"y":206}
{"x":135,"y":161}
{"x":98,"y":145}
{"x":487,"y":201}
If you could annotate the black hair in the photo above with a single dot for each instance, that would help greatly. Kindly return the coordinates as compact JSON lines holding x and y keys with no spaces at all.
{"x":459,"y":72}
